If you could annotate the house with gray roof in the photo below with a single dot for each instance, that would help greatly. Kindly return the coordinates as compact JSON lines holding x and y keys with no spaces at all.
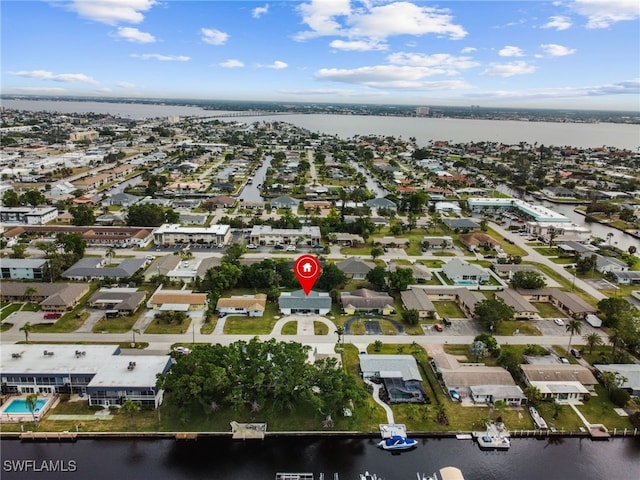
{"x":297,"y":303}
{"x":88,"y":269}
{"x":284,"y":201}
{"x":461,"y":223}
{"x":421,"y":272}
{"x":381,"y":203}
{"x":53,"y":297}
{"x":399,"y":374}
{"x":417,"y":299}
{"x":437,"y":242}
{"x":461,"y":272}
{"x":560,"y":382}
{"x":506,"y":270}
{"x":365,"y":300}
{"x":355,"y":268}
{"x":629,"y":373}
{"x":523,"y":309}
{"x":22,"y":268}
{"x":124,"y":300}
{"x":609,"y":264}
{"x":121,"y":199}
{"x":626,"y":277}
{"x":568,"y":302}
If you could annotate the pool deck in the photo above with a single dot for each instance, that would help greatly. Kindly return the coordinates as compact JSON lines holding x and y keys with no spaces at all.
{"x":18,"y":417}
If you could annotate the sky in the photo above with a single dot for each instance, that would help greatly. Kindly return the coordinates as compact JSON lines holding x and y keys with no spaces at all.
{"x":582,"y":54}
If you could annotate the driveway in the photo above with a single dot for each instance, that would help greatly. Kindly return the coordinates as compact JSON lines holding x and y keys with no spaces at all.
{"x":94,"y":316}
{"x":459,"y":326}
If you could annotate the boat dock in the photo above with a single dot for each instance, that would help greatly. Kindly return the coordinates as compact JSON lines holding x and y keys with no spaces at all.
{"x":388,"y":430}
{"x":248,"y":431}
{"x":47,"y":436}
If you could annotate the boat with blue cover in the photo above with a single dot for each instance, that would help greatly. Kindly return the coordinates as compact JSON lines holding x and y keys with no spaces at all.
{"x":398,"y":443}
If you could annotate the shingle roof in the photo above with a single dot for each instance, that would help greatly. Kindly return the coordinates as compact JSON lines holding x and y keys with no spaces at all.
{"x":365,"y":298}
{"x":248,"y":302}
{"x":417,"y":299}
{"x":298,"y":300}
{"x":87,"y":267}
{"x":517,"y":301}
{"x":405,"y":364}
{"x":558,"y":373}
{"x":354,"y":265}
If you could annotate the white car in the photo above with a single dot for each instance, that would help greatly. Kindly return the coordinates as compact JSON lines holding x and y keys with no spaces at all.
{"x":291,"y":248}
{"x":558,"y":321}
{"x":252,"y":246}
{"x":182,"y":350}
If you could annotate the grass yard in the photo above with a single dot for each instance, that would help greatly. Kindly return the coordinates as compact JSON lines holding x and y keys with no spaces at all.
{"x":160,"y":327}
{"x":599,"y":409}
{"x":5,"y":326}
{"x":509,"y":327}
{"x":548,"y":310}
{"x":208,"y":327}
{"x":547,"y":251}
{"x":9,"y":309}
{"x":114,"y":325}
{"x":69,"y":322}
{"x":290,"y":328}
{"x":253,"y":325}
{"x":319,"y":328}
{"x":449,"y":309}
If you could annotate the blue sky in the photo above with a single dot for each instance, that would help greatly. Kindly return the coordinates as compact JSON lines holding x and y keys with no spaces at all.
{"x":559,"y":54}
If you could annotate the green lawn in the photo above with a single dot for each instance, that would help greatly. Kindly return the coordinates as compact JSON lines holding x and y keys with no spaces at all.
{"x":547,"y":251}
{"x":114,"y":325}
{"x":547,"y":310}
{"x":9,"y":309}
{"x":160,"y":327}
{"x":599,"y":409}
{"x":253,"y":325}
{"x":319,"y":328}
{"x":509,"y":327}
{"x":290,"y":328}
{"x":449,"y":309}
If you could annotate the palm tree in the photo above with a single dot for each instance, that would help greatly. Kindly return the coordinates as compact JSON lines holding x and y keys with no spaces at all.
{"x":32,"y":401}
{"x":593,"y":340}
{"x":26,"y":328}
{"x":340,"y":332}
{"x":30,"y":292}
{"x":110,"y":253}
{"x":131,"y":407}
{"x":574,"y":326}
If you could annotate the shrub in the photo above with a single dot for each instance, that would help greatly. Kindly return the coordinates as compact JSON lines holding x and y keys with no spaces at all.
{"x":619,"y":397}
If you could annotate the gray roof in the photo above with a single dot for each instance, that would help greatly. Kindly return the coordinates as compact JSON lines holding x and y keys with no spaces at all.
{"x":558,"y":373}
{"x":381,"y":203}
{"x":569,"y":300}
{"x":631,"y":373}
{"x":364,"y":298}
{"x":22,"y":262}
{"x":627,"y":274}
{"x":298,"y":300}
{"x":115,"y":373}
{"x":284,"y":201}
{"x":123,"y":199}
{"x":517,"y":301}
{"x":499,"y":391}
{"x":460,"y":223}
{"x":456,"y":268}
{"x":121,"y":300}
{"x":354,"y":265}
{"x":406,"y":365}
{"x":88,"y":267}
{"x":417,"y":299}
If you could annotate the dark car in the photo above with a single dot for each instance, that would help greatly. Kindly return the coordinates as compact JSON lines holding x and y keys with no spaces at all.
{"x":575,"y":353}
{"x":278,"y":247}
{"x":318,"y":247}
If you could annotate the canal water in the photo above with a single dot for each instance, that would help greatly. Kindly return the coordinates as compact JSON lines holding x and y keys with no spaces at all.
{"x":225,"y":459}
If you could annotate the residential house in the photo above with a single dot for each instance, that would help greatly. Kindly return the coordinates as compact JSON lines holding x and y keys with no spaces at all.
{"x":221,"y":201}
{"x":448,"y":207}
{"x":28,"y":215}
{"x":399,"y":374}
{"x":629,"y":373}
{"x":609,"y":264}
{"x":22,"y":268}
{"x":421,"y":272}
{"x":523,"y":310}
{"x":365,"y":300}
{"x":177,"y":300}
{"x":465,"y":298}
{"x":626,"y":277}
{"x":436,"y":242}
{"x":89,"y":269}
{"x":507,"y":270}
{"x":376,"y":204}
{"x":120,"y":237}
{"x":266,"y":235}
{"x":348,"y":239}
{"x":123,"y":300}
{"x":170,"y":234}
{"x":284,"y":202}
{"x":461,"y":224}
{"x":461,"y":272}
{"x":569,"y":303}
{"x":52,"y":297}
{"x":297,"y":303}
{"x":245,"y":305}
{"x":478,"y":382}
{"x":474,"y":241}
{"x":355,"y":268}
{"x":560,"y":381}
{"x":417,"y":299}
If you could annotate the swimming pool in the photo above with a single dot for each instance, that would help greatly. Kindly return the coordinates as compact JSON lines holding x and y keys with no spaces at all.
{"x":19,"y":406}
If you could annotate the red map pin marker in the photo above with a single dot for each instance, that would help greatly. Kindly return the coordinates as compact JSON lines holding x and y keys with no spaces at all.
{"x":307,"y":269}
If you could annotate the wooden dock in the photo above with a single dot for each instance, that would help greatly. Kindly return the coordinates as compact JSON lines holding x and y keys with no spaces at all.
{"x":48,"y":436}
{"x":186,"y":436}
{"x":248,"y":431}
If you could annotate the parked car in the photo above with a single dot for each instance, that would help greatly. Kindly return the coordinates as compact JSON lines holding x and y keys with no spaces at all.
{"x":564,"y":360}
{"x":318,"y":247}
{"x":52,"y":315}
{"x":252,"y":246}
{"x":291,"y":248}
{"x":182,"y":350}
{"x":455,"y":396}
{"x":575,"y":353}
{"x":277,"y":246}
{"x":438,"y":328}
{"x":558,"y":321}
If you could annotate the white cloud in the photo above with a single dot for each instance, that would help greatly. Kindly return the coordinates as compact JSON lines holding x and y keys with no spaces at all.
{"x":391,"y":76}
{"x":336,"y":18}
{"x":41,"y":90}
{"x":126,"y":85}
{"x":112,"y":12}
{"x":104,"y":90}
{"x":56,"y":77}
{"x":558,"y":22}
{"x":449,"y":64}
{"x":468,"y":50}
{"x":630,"y":87}
{"x":358,"y":45}
{"x":338,"y":92}
{"x":134,"y":35}
{"x":511,"y":51}
{"x":508,"y":69}
{"x":231,"y":63}
{"x":555,"y":50}
{"x":604,"y":13}
{"x":259,"y":11}
{"x":162,"y":58}
{"x":277,"y":65}
{"x":213,"y":36}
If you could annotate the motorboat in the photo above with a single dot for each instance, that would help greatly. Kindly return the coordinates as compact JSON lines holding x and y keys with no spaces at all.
{"x":398,"y":443}
{"x":368,"y":476}
{"x":537,"y":419}
{"x":494,"y":442}
{"x":424,"y":476}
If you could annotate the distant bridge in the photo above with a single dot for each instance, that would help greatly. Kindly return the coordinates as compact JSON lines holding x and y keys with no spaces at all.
{"x":248,"y":113}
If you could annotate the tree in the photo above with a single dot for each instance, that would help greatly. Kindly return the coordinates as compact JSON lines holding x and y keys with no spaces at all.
{"x":26,"y":328}
{"x":30,"y":292}
{"x":478,"y":350}
{"x":145,"y":215}
{"x":377,"y":345}
{"x":130,"y":407}
{"x":340,"y":332}
{"x":32,"y":402}
{"x":612,"y":309}
{"x":82,"y":215}
{"x":593,"y":340}
{"x":33,"y":198}
{"x":331,"y":277}
{"x":509,"y":360}
{"x":574,"y":326}
{"x":18,"y":250}
{"x":110,"y":253}
{"x":11,"y":199}
{"x":491,"y":312}
{"x":377,"y":277}
{"x":528,"y":280}
{"x":533,"y":395}
{"x":411,"y":316}
{"x":490,"y":342}
{"x":376,"y":252}
{"x":401,"y":278}
{"x":73,"y":243}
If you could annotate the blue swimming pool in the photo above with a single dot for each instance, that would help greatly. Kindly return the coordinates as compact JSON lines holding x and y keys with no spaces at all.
{"x":19,"y":405}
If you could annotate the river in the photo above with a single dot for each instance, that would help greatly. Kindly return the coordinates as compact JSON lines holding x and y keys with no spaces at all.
{"x":456,"y":130}
{"x":224,"y":459}
{"x":251,"y":191}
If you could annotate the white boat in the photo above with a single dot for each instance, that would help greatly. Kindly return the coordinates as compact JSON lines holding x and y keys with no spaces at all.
{"x":424,"y":476}
{"x":537,"y":419}
{"x":398,"y":443}
{"x":368,"y":476}
{"x":493,"y":442}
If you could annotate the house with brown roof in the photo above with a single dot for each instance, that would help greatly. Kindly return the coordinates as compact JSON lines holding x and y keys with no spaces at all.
{"x":569,"y":303}
{"x":355,"y":268}
{"x":417,"y":299}
{"x":177,"y":300}
{"x":465,"y":298}
{"x":523,"y":309}
{"x":244,"y":305}
{"x":365,"y":300}
{"x":475,"y":240}
{"x":124,"y":300}
{"x":224,"y":201}
{"x":560,"y":381}
{"x":53,"y":297}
